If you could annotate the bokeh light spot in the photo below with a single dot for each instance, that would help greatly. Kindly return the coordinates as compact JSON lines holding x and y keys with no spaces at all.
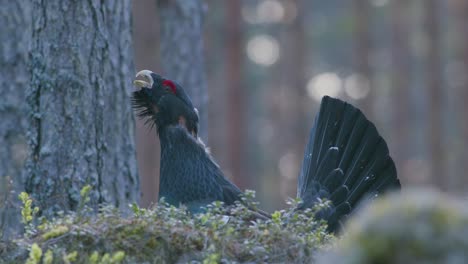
{"x":357,"y":86}
{"x":263,"y":50}
{"x":379,"y":3}
{"x":327,"y":83}
{"x":270,"y":11}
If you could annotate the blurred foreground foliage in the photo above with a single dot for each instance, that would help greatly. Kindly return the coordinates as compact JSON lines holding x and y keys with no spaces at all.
{"x":166,"y":234}
{"x":415,"y":226}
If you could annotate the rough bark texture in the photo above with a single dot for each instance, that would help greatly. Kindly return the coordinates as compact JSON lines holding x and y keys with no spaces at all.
{"x":15,"y":39}
{"x":182,"y":51}
{"x":82,"y":128}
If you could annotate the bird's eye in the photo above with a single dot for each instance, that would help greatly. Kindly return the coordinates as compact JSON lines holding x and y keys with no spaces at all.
{"x":169,"y":85}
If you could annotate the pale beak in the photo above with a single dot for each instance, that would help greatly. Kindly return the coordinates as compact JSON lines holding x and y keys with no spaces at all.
{"x":147,"y":80}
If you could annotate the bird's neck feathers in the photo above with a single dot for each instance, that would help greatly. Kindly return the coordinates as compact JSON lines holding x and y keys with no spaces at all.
{"x":177,"y":136}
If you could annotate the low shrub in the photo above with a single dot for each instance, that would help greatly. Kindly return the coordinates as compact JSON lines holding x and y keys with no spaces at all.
{"x":166,"y":234}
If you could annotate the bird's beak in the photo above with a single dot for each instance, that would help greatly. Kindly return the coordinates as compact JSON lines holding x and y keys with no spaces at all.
{"x":145,"y":81}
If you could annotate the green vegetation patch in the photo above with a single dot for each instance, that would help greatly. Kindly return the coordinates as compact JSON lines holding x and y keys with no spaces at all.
{"x":168,"y":234}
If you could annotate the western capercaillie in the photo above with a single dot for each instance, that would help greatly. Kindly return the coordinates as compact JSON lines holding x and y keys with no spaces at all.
{"x":345,"y":160}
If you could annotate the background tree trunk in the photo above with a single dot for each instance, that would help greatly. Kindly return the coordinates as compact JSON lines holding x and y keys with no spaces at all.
{"x":81,"y":123}
{"x":463,"y":93}
{"x":235,"y":100}
{"x":293,"y":117}
{"x":400,"y":82}
{"x":146,"y":42}
{"x":182,"y":57}
{"x":434,"y":83}
{"x":363,"y":42}
{"x":15,"y":18}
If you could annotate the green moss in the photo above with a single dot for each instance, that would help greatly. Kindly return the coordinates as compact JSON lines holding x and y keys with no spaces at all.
{"x":94,"y":258}
{"x":212,"y":259}
{"x":27,"y":212}
{"x":35,"y":254}
{"x":70,"y":257}
{"x":57,"y":231}
{"x":48,"y":257}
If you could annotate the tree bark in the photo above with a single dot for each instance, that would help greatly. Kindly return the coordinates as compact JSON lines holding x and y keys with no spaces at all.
{"x":182,"y":51}
{"x":434,"y":84}
{"x":81,"y":123}
{"x":15,"y":18}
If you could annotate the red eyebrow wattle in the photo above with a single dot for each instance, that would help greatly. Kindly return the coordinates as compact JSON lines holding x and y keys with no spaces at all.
{"x":171,"y":85}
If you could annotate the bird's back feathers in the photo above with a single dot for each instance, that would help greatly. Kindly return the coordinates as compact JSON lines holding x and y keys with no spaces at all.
{"x":189,"y":175}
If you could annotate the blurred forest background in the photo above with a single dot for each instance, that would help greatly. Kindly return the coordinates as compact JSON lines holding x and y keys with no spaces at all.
{"x":268,"y":63}
{"x":256,"y":70}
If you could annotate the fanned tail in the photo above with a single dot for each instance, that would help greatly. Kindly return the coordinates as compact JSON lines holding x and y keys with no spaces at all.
{"x":345,"y":161}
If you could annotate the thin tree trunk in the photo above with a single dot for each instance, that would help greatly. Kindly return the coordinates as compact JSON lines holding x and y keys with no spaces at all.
{"x":235,"y":115}
{"x":15,"y":18}
{"x":434,"y":83}
{"x":363,"y":51}
{"x":299,"y":60}
{"x":301,"y":111}
{"x":182,"y":51}
{"x":81,"y":124}
{"x":459,"y":10}
{"x":146,"y":39}
{"x":292,"y":112}
{"x":463,"y":98}
{"x":400,"y":81}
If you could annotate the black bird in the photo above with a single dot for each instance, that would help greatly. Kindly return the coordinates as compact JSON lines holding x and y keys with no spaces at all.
{"x":345,"y":160}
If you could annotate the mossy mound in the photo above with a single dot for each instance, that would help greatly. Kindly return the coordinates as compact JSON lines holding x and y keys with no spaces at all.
{"x":416,"y":226}
{"x":167,"y":234}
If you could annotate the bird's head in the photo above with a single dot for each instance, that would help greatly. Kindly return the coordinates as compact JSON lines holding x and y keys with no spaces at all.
{"x":163,"y":103}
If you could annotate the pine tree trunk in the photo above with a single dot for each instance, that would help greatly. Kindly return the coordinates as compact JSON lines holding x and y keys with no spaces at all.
{"x":435,"y":94}
{"x":146,"y":42}
{"x":363,"y":42}
{"x":182,"y":51}
{"x":15,"y":39}
{"x":400,"y":81}
{"x":295,"y":112}
{"x":235,"y":114}
{"x":463,"y":92}
{"x":81,"y":123}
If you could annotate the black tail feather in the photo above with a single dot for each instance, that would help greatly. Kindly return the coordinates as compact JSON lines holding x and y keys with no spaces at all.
{"x":345,"y":161}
